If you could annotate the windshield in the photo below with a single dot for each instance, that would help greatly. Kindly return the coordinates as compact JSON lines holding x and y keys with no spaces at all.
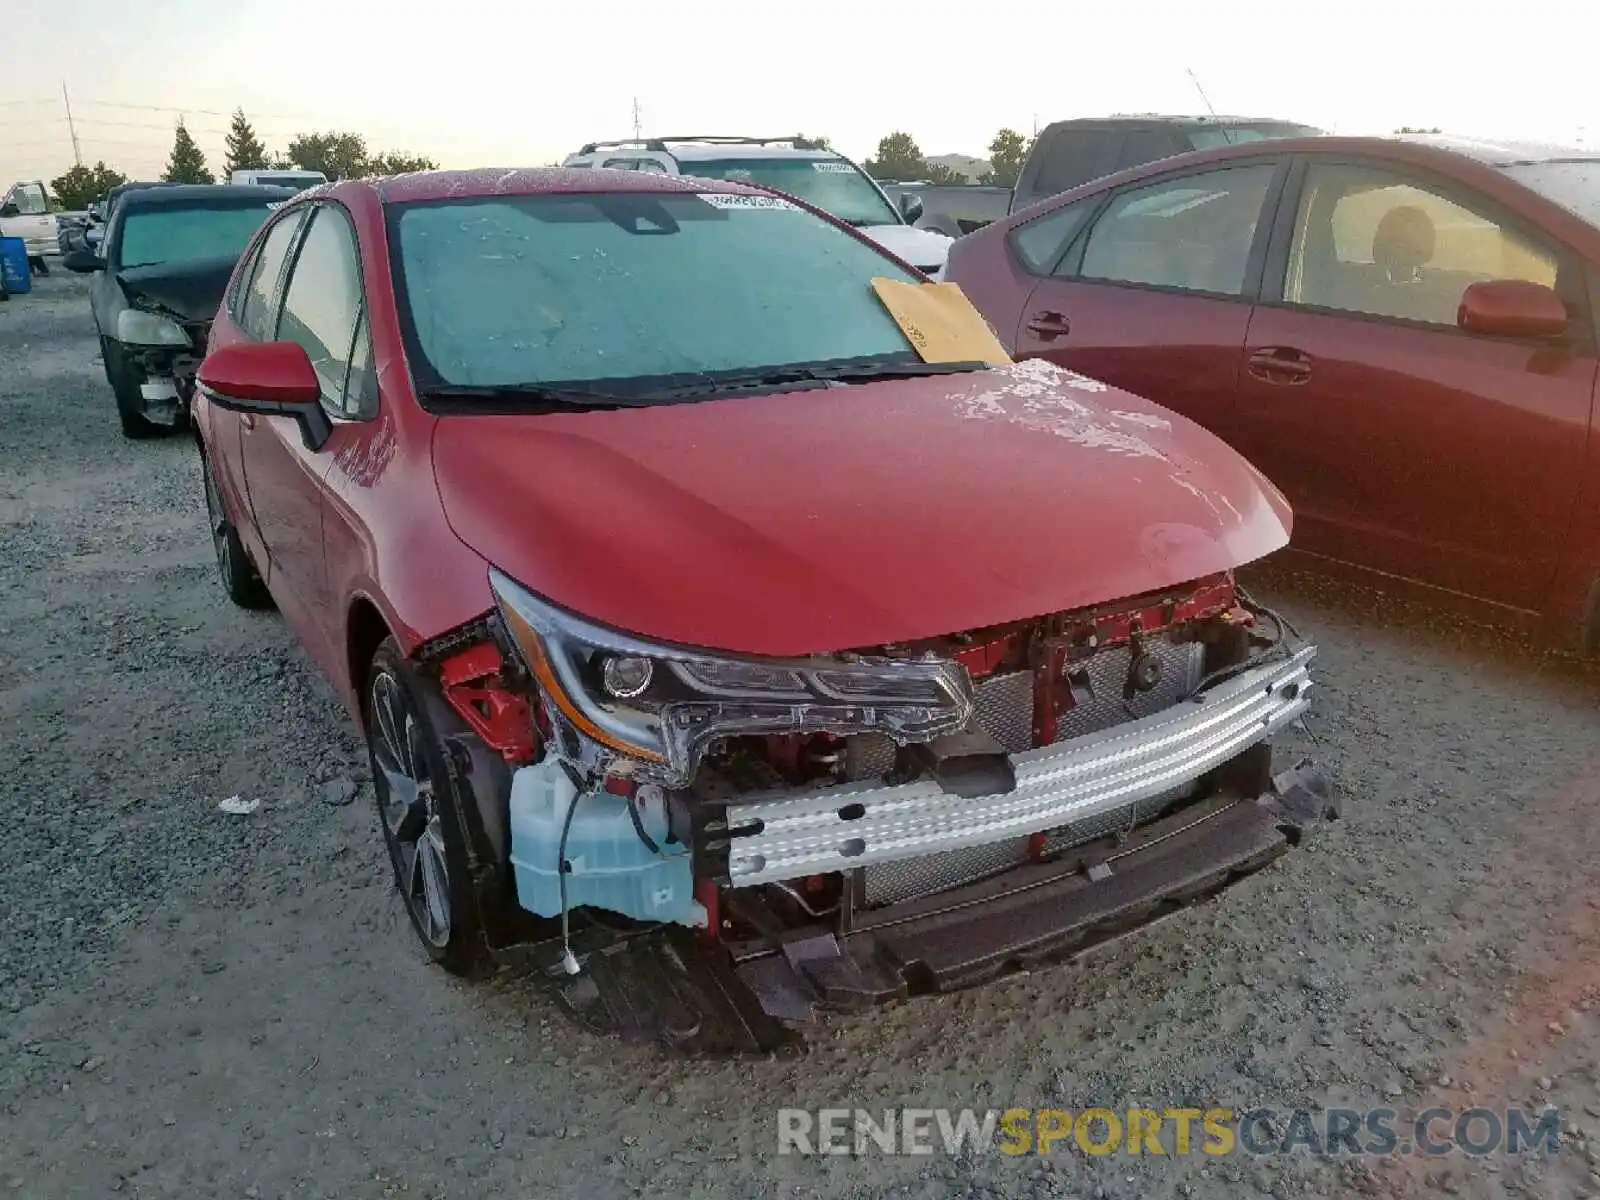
{"x":298,"y":182}
{"x":1572,"y":183}
{"x":190,"y":233}
{"x":833,"y":185}
{"x":1209,"y":137}
{"x":501,"y":291}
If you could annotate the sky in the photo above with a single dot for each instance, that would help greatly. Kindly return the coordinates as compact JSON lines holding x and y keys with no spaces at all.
{"x":525,"y":82}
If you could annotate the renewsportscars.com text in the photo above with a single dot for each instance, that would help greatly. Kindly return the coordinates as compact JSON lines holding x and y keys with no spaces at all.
{"x":1217,"y":1132}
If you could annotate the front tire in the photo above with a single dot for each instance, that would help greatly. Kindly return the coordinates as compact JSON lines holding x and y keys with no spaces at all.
{"x":239,"y":576}
{"x":125,"y":387}
{"x":419,"y":812}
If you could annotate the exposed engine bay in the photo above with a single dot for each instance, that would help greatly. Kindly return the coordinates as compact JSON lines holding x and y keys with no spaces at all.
{"x":785,"y":837}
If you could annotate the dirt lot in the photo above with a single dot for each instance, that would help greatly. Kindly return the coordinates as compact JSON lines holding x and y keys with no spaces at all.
{"x":197,"y":1004}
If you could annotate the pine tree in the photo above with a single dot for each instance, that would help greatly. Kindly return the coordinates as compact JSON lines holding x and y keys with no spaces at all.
{"x":187,"y":164}
{"x":245,"y":151}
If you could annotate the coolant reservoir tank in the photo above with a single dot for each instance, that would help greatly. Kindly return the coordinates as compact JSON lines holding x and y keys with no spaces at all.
{"x":611,"y":866}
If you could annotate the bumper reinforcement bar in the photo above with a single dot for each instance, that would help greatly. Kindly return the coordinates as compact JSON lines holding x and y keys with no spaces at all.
{"x":854,"y":825}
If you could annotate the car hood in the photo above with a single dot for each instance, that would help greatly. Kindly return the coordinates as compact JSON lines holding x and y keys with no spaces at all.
{"x":854,"y":516}
{"x":922,"y":248}
{"x":192,"y":290}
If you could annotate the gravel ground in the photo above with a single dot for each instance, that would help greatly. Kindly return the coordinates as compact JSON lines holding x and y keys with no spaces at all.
{"x":198,"y":1004}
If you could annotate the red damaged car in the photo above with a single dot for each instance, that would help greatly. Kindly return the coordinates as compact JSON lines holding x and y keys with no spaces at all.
{"x":717,"y":653}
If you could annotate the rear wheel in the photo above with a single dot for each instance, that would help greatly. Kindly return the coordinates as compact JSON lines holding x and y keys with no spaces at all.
{"x":419,"y":812}
{"x":239,"y":576}
{"x":125,"y":387}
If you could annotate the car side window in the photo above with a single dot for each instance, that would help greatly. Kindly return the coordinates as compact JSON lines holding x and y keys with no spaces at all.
{"x":1141,"y":146}
{"x":257,"y":300}
{"x":1193,"y":232}
{"x":1039,"y":243}
{"x":1075,"y":156}
{"x":361,"y":381}
{"x":621,"y":164}
{"x":30,"y":200}
{"x":1383,"y":244}
{"x":322,"y":302}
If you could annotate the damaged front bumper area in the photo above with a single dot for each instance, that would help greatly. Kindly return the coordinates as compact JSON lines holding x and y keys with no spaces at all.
{"x":1099,"y":771}
{"x":1057,"y":787}
{"x":165,"y":376}
{"x":678,"y":987}
{"x":1038,"y":913}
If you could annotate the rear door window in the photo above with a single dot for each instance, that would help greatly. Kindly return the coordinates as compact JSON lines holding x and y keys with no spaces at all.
{"x":1192,"y":232}
{"x":256,"y":308}
{"x":1384,"y":244}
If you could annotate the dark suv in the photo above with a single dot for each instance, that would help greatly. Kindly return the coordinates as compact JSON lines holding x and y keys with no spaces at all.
{"x":1069,"y":153}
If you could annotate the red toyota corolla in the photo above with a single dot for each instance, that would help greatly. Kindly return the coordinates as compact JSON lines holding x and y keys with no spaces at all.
{"x":713,"y":649}
{"x":1401,"y":333}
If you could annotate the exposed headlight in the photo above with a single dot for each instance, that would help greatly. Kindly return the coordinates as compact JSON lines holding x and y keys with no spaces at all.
{"x":138,"y":328}
{"x":664,"y":704}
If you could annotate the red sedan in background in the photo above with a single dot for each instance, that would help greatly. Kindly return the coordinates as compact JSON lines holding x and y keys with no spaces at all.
{"x":710,"y":645}
{"x":1400,"y":333}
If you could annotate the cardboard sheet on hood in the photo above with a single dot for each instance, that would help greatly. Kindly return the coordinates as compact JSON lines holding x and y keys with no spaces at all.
{"x":940,"y":322}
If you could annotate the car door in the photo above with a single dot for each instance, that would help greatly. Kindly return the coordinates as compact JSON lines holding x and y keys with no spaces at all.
{"x":27,"y":216}
{"x":1404,"y":443}
{"x":1153,"y":293}
{"x":320,"y":311}
{"x":250,"y":313}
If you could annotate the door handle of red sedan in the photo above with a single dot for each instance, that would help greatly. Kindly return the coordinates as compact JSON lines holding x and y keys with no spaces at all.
{"x":1281,"y":364}
{"x":1049,"y":325}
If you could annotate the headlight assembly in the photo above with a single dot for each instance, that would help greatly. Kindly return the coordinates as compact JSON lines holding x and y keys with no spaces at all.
{"x":138,"y":328}
{"x":664,"y":704}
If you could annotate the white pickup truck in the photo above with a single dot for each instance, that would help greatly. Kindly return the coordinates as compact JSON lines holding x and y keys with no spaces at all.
{"x":25,"y":213}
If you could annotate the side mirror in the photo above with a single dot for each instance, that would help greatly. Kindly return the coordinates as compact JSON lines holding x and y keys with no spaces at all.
{"x":1512,"y":308}
{"x":83,"y":262}
{"x":269,"y":379}
{"x":10,"y":210}
{"x":910,"y":207}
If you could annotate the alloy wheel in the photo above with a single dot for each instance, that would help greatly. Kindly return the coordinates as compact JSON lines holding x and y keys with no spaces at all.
{"x":408,"y":804}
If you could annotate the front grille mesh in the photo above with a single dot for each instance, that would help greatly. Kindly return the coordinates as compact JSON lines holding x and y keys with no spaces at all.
{"x":1099,"y":685}
{"x":1004,"y":707}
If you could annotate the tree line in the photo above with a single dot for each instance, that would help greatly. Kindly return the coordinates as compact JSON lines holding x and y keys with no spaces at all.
{"x":337,"y":155}
{"x":900,"y":159}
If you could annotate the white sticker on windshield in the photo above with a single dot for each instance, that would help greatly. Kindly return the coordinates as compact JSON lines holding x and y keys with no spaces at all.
{"x":724,"y":200}
{"x":838,"y":168}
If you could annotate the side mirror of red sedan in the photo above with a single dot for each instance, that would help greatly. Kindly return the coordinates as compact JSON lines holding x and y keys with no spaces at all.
{"x":268,"y":378}
{"x":1512,"y":308}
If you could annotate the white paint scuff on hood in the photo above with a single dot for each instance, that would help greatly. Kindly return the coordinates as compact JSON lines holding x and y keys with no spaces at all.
{"x":922,"y":248}
{"x":1037,"y":384}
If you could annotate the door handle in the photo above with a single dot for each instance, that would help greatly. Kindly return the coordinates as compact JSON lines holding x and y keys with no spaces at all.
{"x":1048,"y":326}
{"x":1280,"y":364}
{"x":248,"y":420}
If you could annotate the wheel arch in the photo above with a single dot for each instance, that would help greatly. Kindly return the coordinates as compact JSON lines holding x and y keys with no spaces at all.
{"x":366,"y":628}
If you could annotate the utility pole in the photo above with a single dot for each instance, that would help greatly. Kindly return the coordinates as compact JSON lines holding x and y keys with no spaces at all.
{"x":77,"y":153}
{"x":636,"y":118}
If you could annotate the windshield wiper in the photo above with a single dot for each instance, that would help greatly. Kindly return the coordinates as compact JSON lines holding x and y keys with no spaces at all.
{"x":891,"y":370}
{"x":855,"y":372}
{"x":536,"y":392}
